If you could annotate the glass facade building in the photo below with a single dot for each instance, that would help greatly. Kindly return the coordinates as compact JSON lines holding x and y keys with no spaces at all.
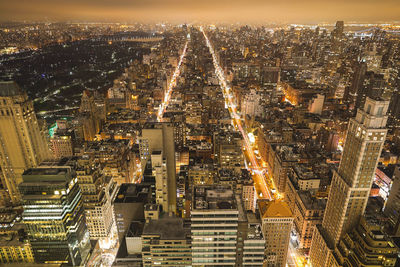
{"x":53,"y":215}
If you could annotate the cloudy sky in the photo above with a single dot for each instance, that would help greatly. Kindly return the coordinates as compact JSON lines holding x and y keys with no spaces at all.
{"x":292,"y":11}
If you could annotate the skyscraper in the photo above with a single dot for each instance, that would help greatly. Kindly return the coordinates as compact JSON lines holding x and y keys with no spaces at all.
{"x":53,"y":215}
{"x":351,"y":183}
{"x":339,"y":27}
{"x":22,"y":144}
{"x":357,"y":84}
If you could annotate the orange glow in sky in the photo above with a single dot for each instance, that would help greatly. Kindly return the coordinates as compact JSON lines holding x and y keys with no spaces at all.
{"x":292,"y":11}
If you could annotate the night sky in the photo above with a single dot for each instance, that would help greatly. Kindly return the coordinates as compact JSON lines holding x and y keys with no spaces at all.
{"x":281,"y":11}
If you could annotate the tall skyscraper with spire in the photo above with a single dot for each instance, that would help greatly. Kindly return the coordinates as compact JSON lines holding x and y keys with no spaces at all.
{"x":351,"y":183}
{"x":22,"y":144}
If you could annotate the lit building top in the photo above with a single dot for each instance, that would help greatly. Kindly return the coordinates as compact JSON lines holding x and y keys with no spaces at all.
{"x":275,"y":208}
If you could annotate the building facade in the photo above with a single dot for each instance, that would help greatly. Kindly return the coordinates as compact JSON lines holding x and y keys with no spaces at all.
{"x":214,"y":226}
{"x":277,"y":222}
{"x":22,"y":143}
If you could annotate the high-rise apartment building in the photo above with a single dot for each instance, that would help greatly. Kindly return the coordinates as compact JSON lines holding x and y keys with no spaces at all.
{"x":22,"y":144}
{"x":53,"y":215}
{"x":156,"y":143}
{"x":277,"y":222}
{"x":352,"y":182}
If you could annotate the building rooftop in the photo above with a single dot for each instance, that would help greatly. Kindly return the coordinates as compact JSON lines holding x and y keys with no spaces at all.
{"x":214,"y":198}
{"x":254,"y":232}
{"x":167,"y":227}
{"x":130,"y":193}
{"x":11,"y":240}
{"x":47,"y":174}
{"x":135,"y":229}
{"x":304,"y":172}
{"x":310,"y":202}
{"x":10,"y":88}
{"x":274,"y":208}
{"x":288,"y":152}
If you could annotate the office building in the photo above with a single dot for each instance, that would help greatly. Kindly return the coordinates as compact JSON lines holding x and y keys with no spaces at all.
{"x":351,"y":183}
{"x":316,"y":104}
{"x":116,"y":158}
{"x":228,"y":149}
{"x":130,"y":248}
{"x":251,"y":104}
{"x":214,"y":218}
{"x":22,"y":143}
{"x":357,"y":83}
{"x":307,"y":211}
{"x":159,"y":171}
{"x":53,"y":215}
{"x":277,"y":222}
{"x":285,"y":157}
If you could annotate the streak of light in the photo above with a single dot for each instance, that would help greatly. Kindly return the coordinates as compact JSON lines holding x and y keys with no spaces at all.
{"x":171,"y":86}
{"x":226,"y":90}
